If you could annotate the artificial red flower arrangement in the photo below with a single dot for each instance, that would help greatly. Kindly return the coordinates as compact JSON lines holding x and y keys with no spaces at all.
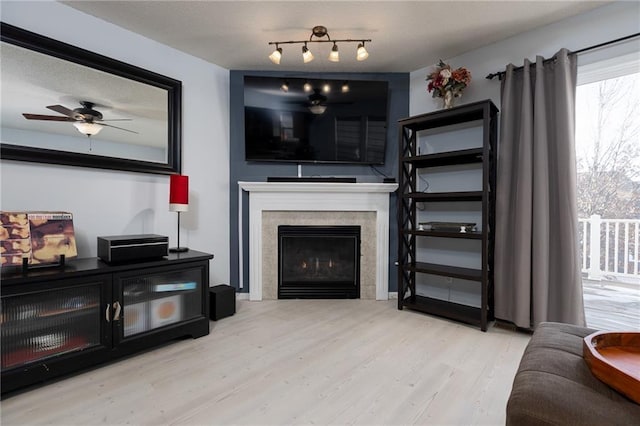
{"x":445,"y":82}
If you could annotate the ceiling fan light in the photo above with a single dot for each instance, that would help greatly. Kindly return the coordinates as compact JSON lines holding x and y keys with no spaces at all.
{"x":361,"y":53}
{"x":307,"y":56}
{"x":88,"y":129}
{"x":276,"y":55}
{"x":334,"y":56}
{"x":317,"y":109}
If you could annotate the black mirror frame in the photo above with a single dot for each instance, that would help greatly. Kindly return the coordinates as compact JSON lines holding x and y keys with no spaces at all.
{"x":36,"y":42}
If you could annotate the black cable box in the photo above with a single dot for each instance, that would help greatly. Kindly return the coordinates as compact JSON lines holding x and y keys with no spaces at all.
{"x":132,"y":248}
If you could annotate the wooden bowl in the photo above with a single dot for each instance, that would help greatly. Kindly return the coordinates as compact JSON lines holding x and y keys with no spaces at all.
{"x":614,"y":358}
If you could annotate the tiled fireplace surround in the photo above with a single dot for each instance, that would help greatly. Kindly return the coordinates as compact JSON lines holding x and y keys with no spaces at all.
{"x":316,"y":203}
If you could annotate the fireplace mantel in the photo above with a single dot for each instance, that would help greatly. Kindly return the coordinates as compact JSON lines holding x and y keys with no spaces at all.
{"x":314,"y":196}
{"x":336,"y":187}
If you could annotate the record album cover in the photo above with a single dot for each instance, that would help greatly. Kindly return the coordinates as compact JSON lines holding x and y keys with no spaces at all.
{"x":41,"y":237}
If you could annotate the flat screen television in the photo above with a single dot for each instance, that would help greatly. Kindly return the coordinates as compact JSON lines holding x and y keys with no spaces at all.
{"x":315,"y":120}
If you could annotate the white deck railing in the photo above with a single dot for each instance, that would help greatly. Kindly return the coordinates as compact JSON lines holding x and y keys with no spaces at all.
{"x":609,"y":246}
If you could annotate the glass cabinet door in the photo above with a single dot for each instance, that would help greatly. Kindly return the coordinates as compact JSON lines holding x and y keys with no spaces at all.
{"x":44,"y":324}
{"x":160,"y":299}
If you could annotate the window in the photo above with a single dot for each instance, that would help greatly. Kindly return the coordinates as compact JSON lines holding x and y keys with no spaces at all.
{"x":608,"y":166}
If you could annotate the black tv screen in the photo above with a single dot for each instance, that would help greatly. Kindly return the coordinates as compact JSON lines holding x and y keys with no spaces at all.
{"x":314,"y":120}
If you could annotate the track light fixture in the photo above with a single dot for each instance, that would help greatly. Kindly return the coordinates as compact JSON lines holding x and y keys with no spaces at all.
{"x":319,"y":32}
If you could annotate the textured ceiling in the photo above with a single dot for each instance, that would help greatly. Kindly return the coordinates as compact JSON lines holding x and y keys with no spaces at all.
{"x":407,"y":35}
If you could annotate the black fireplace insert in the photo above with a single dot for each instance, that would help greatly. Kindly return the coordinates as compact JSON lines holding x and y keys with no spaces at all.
{"x":318,"y":262}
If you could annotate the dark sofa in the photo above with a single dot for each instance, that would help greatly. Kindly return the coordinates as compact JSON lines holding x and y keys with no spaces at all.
{"x":554,"y":386}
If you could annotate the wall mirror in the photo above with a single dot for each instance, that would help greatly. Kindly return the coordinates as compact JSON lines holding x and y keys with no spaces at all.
{"x":54,"y":95}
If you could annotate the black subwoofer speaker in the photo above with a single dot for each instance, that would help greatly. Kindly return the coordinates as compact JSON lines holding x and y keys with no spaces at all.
{"x":222,"y":301}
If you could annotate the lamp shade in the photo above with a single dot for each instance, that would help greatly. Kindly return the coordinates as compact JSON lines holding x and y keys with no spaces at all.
{"x":88,"y":129}
{"x":317,"y":109}
{"x":334,"y":56}
{"x":361,"y":53}
{"x":307,"y":56}
{"x":276,"y":55}
{"x":178,"y":193}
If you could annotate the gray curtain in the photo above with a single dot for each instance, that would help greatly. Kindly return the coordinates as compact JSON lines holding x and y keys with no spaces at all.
{"x":537,"y":268}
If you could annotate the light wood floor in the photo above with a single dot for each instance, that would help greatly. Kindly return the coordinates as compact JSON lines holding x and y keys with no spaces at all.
{"x":296,"y":362}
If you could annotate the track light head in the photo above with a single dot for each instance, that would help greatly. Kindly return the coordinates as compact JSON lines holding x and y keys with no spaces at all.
{"x":307,"y":56}
{"x":361,"y":53}
{"x":276,"y":55}
{"x":334,"y":56}
{"x":285,"y":87}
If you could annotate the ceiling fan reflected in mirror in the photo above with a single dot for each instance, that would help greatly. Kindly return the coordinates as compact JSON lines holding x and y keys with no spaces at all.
{"x":87,"y":120}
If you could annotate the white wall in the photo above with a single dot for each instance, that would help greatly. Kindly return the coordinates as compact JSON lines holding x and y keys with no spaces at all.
{"x":597,"y":26}
{"x":113,"y":202}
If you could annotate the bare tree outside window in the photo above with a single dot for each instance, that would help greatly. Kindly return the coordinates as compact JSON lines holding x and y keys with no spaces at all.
{"x":608,"y":148}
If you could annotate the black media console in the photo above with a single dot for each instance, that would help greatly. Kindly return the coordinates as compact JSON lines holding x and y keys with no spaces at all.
{"x":61,"y":320}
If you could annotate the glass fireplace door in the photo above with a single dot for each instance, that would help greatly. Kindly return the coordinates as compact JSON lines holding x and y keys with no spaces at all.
{"x":319,"y":262}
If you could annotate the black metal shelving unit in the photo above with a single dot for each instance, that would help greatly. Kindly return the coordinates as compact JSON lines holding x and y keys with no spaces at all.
{"x":411,"y":162}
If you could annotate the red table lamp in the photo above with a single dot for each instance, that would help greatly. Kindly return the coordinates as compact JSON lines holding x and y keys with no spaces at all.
{"x":178,"y":202}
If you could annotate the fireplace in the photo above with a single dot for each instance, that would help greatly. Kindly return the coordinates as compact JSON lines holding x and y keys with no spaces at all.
{"x":272,"y":204}
{"x":318,"y":262}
